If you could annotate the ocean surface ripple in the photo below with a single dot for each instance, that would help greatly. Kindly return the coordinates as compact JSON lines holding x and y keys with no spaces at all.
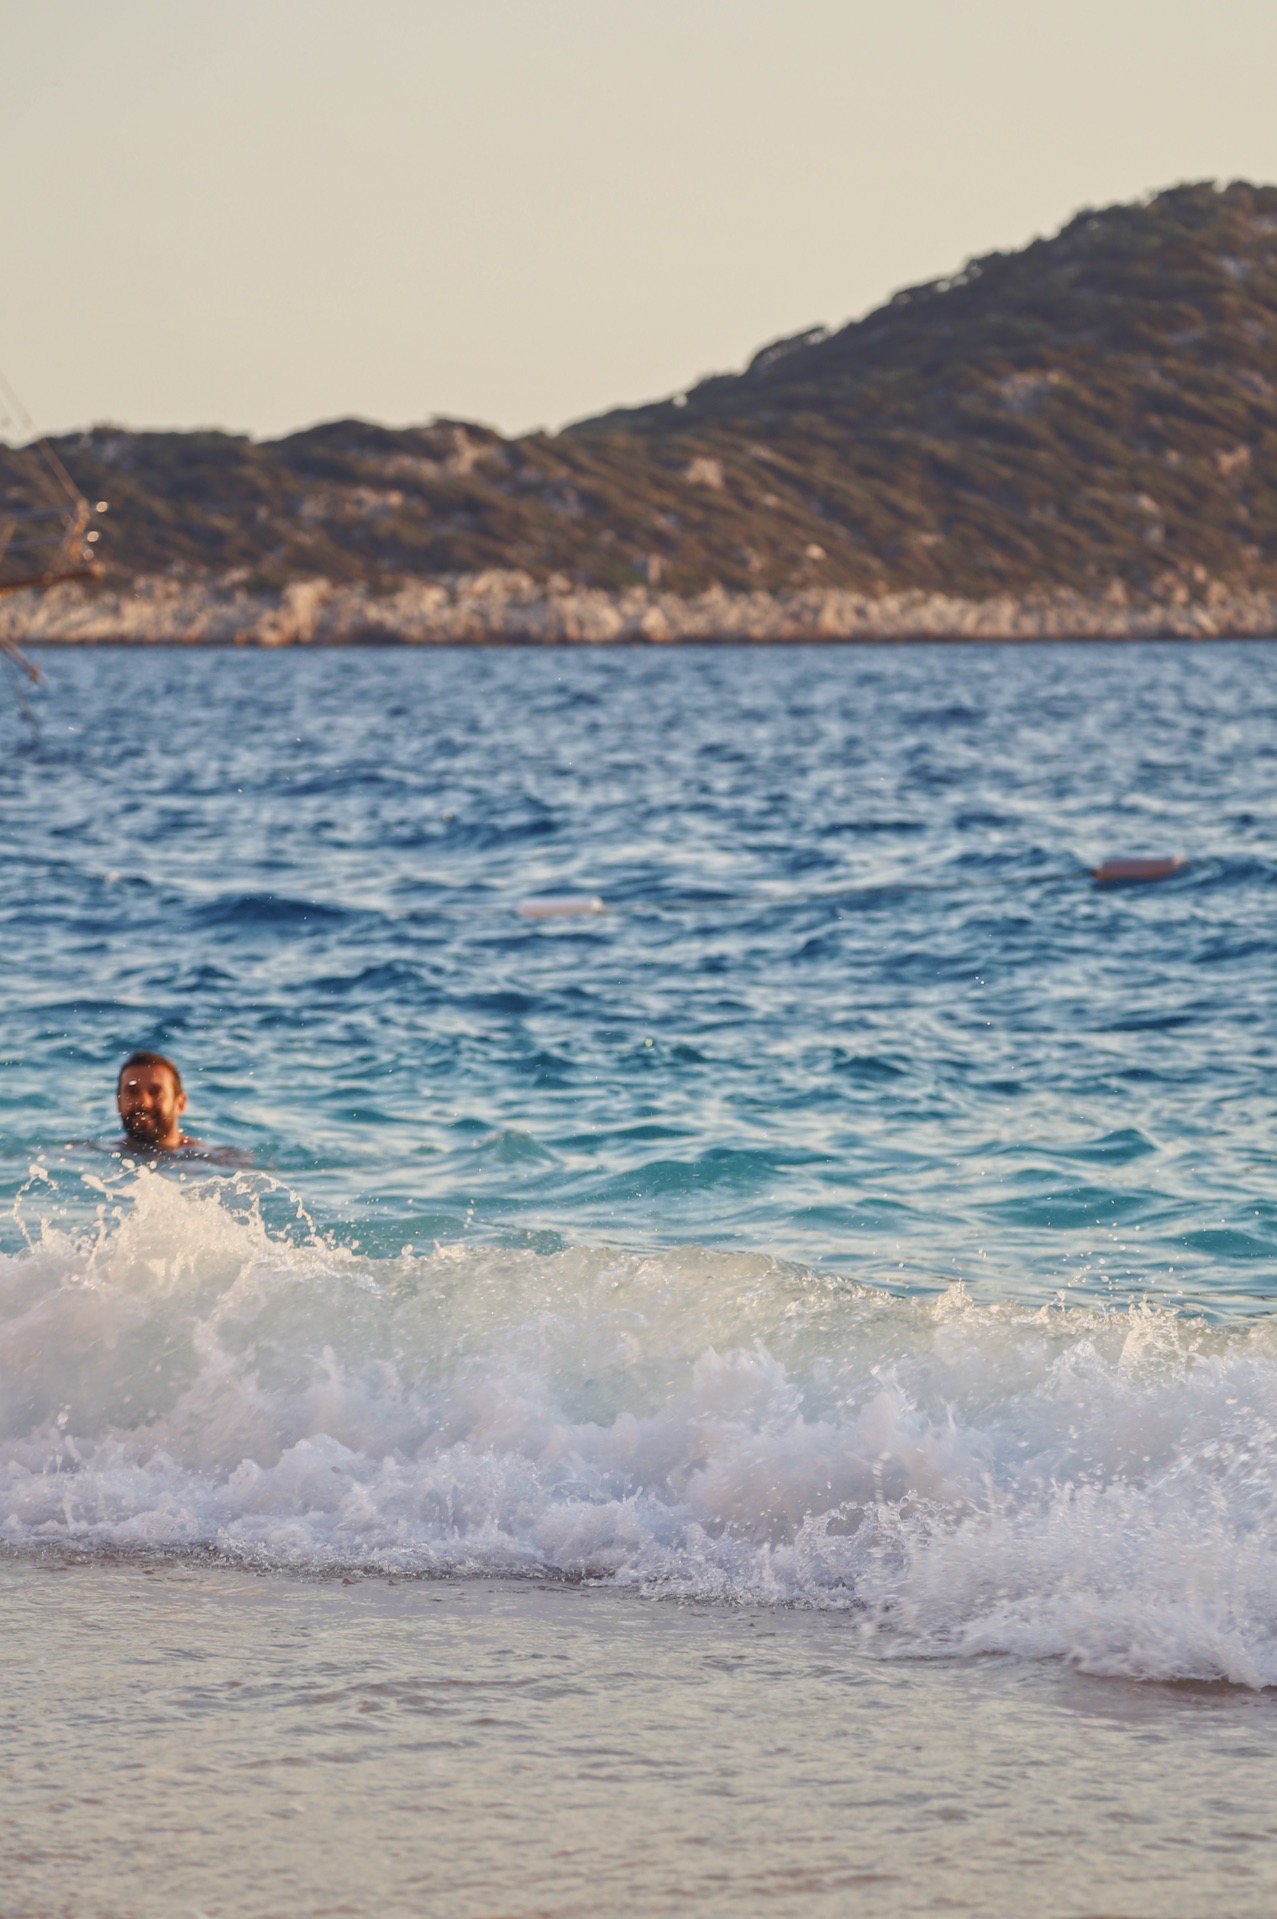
{"x":864,"y":1211}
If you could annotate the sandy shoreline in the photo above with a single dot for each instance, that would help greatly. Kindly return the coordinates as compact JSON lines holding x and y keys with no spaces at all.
{"x":186,"y":1738}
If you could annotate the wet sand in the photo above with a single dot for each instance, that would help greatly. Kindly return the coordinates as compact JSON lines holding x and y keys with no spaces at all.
{"x":183,"y":1739}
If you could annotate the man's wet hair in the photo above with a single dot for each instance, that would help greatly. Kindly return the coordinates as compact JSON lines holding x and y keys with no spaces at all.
{"x":150,"y":1059}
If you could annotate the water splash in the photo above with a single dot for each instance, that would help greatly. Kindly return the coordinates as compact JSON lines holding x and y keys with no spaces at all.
{"x":964,"y":1478}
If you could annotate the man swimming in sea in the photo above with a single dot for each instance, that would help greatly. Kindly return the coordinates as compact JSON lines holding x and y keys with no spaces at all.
{"x":152,"y":1100}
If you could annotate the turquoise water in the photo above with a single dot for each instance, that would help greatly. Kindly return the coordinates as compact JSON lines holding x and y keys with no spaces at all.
{"x":863,"y":1212}
{"x":854,"y":1000}
{"x":858,"y":1237}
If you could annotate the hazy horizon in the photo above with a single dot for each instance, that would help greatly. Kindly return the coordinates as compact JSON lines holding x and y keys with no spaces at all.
{"x":256,"y":219}
{"x":10,"y":437}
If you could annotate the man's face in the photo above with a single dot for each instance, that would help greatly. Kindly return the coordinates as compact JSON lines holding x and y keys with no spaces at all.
{"x":151,"y":1106}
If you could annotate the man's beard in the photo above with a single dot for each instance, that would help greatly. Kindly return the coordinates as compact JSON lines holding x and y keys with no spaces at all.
{"x":147,"y":1128}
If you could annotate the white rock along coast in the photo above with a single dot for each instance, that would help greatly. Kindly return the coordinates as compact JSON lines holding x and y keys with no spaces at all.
{"x":510,"y":607}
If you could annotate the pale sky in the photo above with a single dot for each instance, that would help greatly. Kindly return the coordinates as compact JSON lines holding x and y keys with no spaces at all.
{"x":257,"y":214}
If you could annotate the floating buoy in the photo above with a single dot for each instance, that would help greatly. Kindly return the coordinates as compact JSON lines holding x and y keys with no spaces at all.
{"x":1113,"y":872}
{"x":561,"y":906}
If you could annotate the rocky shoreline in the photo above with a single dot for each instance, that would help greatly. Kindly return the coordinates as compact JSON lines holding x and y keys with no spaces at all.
{"x":511,"y":608}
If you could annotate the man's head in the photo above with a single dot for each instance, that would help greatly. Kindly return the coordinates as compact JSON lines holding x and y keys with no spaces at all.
{"x":151,"y":1100}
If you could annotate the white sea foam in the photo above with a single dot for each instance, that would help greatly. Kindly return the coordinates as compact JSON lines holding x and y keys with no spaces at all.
{"x":965,"y":1479}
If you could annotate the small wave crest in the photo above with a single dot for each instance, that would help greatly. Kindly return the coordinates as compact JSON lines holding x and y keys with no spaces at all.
{"x":964,"y":1479}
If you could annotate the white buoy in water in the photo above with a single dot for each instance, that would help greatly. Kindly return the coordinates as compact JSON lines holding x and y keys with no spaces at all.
{"x":560,"y":906}
{"x":1112,"y":872}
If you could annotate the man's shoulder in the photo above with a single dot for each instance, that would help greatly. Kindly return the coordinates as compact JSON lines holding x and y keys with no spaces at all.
{"x":210,"y":1154}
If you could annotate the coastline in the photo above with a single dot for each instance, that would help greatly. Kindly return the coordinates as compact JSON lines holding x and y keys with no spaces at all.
{"x":509,"y":607}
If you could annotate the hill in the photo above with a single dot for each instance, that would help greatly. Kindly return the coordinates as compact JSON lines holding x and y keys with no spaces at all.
{"x":1088,"y":422}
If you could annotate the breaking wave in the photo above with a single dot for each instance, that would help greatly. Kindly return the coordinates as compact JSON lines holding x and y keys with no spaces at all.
{"x":964,"y":1479}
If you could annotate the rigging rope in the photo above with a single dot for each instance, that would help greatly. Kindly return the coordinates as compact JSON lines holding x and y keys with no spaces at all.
{"x":21,"y":534}
{"x":20,"y":529}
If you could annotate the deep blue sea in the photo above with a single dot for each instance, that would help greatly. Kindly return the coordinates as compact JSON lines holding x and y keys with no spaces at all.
{"x":854,"y":999}
{"x":863,"y":1210}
